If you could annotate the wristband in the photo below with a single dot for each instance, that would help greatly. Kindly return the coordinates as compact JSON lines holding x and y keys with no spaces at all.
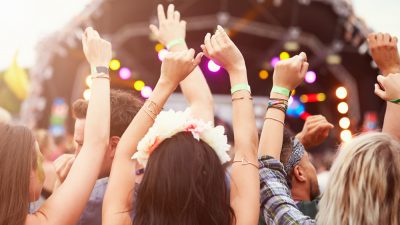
{"x":175,"y":43}
{"x":99,"y":69}
{"x":240,"y":87}
{"x":281,"y":90}
{"x":397,"y":101}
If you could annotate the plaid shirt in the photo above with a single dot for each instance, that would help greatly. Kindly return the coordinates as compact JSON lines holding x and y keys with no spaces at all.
{"x":277,"y":204}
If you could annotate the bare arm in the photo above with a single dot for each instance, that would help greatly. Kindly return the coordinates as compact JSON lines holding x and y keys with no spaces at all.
{"x":383,"y":48}
{"x":118,"y":198}
{"x":68,"y":201}
{"x":245,"y":184}
{"x":194,"y":87}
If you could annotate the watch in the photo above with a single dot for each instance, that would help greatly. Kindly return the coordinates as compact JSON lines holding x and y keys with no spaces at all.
{"x":100,"y":69}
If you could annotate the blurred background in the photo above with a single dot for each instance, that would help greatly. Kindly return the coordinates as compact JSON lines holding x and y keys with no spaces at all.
{"x":43,"y":69}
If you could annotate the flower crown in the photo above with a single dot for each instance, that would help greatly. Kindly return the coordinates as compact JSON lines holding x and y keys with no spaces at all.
{"x":169,"y":123}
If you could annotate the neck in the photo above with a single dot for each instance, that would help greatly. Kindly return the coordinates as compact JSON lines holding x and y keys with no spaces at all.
{"x":300,"y":192}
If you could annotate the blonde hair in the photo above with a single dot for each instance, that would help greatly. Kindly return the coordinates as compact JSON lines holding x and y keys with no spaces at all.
{"x":363,"y":189}
{"x":5,"y":117}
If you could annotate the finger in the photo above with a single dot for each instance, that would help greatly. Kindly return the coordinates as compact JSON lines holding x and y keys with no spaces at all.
{"x":170,"y":12}
{"x":207,"y":43}
{"x":219,"y":38}
{"x":154,"y":30}
{"x":67,"y":167}
{"x":183,"y":24}
{"x":225,"y":36}
{"x":303,"y":56}
{"x":189,"y":55}
{"x":197,"y":60}
{"x":394,"y":40}
{"x":381,"y":79}
{"x":177,"y":16}
{"x":160,"y":13}
{"x":386,"y":38}
{"x":379,"y":92}
{"x":203,"y":47}
{"x":304,"y":69}
{"x":379,"y":37}
{"x":214,"y":43}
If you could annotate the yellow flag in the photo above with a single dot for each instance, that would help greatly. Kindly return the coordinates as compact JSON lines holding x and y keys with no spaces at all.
{"x":16,"y":79}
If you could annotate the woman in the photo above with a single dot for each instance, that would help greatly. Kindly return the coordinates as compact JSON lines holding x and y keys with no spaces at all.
{"x":21,"y":171}
{"x":184,"y":181}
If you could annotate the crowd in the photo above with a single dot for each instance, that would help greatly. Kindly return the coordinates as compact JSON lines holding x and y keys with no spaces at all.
{"x":136,"y":163}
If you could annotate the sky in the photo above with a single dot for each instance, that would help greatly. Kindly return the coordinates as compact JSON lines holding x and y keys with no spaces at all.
{"x":25,"y":22}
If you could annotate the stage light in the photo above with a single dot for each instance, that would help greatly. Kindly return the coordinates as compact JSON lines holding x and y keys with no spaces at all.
{"x":305,"y":115}
{"x":138,"y":85}
{"x":311,"y":77}
{"x":125,"y":73}
{"x":346,"y":135}
{"x":115,"y":64}
{"x":146,"y":92}
{"x":159,"y":47}
{"x":296,"y":108}
{"x":263,"y":74}
{"x":274,"y":61}
{"x":86,"y":94}
{"x":334,"y":59}
{"x":321,"y":97}
{"x":284,"y":55}
{"x":89,"y":81}
{"x":293,"y":92}
{"x":304,"y":98}
{"x":344,"y":123}
{"x":291,"y":46}
{"x":341,"y":92}
{"x":290,"y":101}
{"x":343,"y":108}
{"x":213,"y":67}
{"x":162,"y":54}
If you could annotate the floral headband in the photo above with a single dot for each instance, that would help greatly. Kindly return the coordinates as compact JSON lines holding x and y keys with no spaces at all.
{"x":169,"y":123}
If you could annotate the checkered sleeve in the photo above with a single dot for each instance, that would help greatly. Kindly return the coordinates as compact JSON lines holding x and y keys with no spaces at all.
{"x":277,"y":204}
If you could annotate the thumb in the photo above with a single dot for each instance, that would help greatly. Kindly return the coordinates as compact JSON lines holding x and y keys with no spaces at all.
{"x":197,"y":60}
{"x":154,"y":30}
{"x":304,"y":68}
{"x":380,"y":92}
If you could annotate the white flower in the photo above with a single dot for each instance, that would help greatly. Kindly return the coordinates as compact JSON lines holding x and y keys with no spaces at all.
{"x":169,"y":123}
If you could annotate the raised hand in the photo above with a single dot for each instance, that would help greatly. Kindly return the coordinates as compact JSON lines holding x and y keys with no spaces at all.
{"x":315,"y":131}
{"x":63,"y":165}
{"x":170,"y":26}
{"x":390,"y":85}
{"x":383,"y":48}
{"x":221,"y":49}
{"x":97,"y":51}
{"x":178,"y":65}
{"x":290,"y":73}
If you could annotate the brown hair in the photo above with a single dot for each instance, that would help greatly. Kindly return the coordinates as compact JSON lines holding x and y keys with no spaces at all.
{"x":124,"y":107}
{"x":17,"y":159}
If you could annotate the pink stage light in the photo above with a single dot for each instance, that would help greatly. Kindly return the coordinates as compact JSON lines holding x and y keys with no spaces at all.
{"x":125,"y":73}
{"x":146,"y":91}
{"x":162,"y":54}
{"x":213,"y":67}
{"x":274,"y":61}
{"x":311,"y":77}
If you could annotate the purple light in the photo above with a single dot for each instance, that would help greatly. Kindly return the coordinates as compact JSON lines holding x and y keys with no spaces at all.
{"x":162,"y":54}
{"x":213,"y":67}
{"x":125,"y":73}
{"x":146,"y":92}
{"x":311,"y":76}
{"x":274,"y":61}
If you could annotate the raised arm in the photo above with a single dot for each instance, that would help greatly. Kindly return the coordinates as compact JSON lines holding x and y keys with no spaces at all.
{"x":383,"y":48}
{"x":315,"y":131}
{"x":171,"y":33}
{"x":118,"y":198}
{"x":244,"y":175}
{"x":67,"y":203}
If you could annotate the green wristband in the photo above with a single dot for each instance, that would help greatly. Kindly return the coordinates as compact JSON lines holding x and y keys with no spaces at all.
{"x":175,"y":43}
{"x":240,"y":87}
{"x":281,"y":90}
{"x":397,"y":101}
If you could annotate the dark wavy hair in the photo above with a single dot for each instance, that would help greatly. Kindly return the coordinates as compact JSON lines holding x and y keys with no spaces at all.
{"x":184,"y":184}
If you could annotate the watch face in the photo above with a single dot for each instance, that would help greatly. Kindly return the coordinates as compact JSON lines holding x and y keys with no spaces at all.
{"x":102,"y":69}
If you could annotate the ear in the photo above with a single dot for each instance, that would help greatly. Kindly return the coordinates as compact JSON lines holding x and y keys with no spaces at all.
{"x":114,"y":140}
{"x":299,"y":173}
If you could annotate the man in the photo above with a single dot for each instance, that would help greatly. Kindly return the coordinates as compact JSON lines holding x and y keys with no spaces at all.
{"x":124,"y":107}
{"x":301,"y":173}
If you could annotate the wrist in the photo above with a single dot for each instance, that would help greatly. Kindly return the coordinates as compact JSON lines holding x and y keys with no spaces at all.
{"x":166,"y":85}
{"x":395,"y":69}
{"x":179,"y":47}
{"x":238,"y":76}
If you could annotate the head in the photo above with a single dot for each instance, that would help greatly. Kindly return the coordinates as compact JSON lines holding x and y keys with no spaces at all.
{"x":124,"y":107}
{"x":364,"y":188}
{"x":45,"y":142}
{"x":301,"y":176}
{"x":184,"y":183}
{"x":21,"y":173}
